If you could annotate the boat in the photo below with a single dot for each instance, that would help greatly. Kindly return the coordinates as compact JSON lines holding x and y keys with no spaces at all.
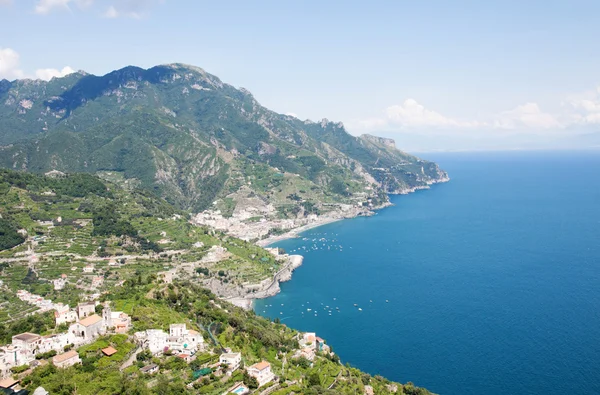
{"x":355,"y":305}
{"x":359,"y":309}
{"x":308,"y":309}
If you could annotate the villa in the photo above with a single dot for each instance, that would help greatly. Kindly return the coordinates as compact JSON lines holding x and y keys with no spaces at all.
{"x":179,"y":340}
{"x":232,"y":360}
{"x":63,"y":314}
{"x":261,"y":372}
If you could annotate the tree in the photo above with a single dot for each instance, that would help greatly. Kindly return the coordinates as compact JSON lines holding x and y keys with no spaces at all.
{"x":314,"y":379}
{"x":250,"y":381}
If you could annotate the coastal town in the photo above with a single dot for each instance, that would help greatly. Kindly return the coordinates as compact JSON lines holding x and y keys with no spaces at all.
{"x":91,"y":322}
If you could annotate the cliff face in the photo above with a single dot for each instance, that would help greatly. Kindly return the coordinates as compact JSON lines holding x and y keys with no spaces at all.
{"x":193,"y":139}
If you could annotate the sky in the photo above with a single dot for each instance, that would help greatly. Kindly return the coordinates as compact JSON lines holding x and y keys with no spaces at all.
{"x":434,"y":75}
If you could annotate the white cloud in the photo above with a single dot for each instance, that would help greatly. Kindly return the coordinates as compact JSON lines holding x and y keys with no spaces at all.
{"x":46,"y":6}
{"x":9,"y":64}
{"x":586,"y":107}
{"x":117,"y":8}
{"x":10,"y":67}
{"x":528,"y":115}
{"x":136,"y":9}
{"x":48,"y":74}
{"x":412,"y":115}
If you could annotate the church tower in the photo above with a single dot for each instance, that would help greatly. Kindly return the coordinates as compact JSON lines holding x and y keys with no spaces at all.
{"x":107,"y":316}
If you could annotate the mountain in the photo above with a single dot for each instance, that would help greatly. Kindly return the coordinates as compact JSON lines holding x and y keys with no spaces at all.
{"x":194,"y":140}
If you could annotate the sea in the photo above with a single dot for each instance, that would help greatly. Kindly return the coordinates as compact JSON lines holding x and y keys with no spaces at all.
{"x":487,"y":284}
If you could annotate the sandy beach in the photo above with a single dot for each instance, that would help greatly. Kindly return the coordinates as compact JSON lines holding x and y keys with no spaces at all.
{"x":296,"y":231}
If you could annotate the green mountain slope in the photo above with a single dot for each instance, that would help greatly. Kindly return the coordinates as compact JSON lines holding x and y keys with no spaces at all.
{"x":51,"y":227}
{"x":191,"y":138}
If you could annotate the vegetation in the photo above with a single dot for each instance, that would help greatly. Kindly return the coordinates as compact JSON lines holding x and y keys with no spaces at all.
{"x":191,"y":140}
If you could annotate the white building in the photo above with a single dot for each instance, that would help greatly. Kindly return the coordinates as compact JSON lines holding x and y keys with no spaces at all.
{"x":261,"y":372}
{"x":64,"y":314}
{"x":28,"y":342}
{"x":232,"y":360}
{"x":88,"y":269}
{"x":179,"y":340}
{"x":88,"y":328}
{"x":67,"y":359}
{"x":54,"y":342}
{"x":86,"y":309}
{"x":59,"y":283}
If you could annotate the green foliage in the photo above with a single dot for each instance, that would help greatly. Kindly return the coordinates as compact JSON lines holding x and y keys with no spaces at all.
{"x":8,"y":235}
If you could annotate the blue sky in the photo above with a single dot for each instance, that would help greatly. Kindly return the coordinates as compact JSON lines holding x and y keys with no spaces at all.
{"x":434,"y":74}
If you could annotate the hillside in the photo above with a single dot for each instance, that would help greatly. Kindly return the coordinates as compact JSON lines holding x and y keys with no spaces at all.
{"x":69,"y":238}
{"x":193,"y":140}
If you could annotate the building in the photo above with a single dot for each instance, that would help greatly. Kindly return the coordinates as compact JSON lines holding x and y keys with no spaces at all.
{"x":154,"y":340}
{"x":86,"y":309}
{"x":28,"y":342}
{"x":109,"y":351}
{"x":321,"y":346}
{"x":11,"y":356}
{"x":179,"y":340}
{"x":97,"y":281}
{"x":88,"y":328}
{"x":59,"y":283}
{"x":116,"y":320}
{"x":261,"y":372}
{"x":186,"y":357}
{"x":55,"y":342}
{"x":63,"y":314}
{"x":88,"y":269}
{"x":232,"y":360}
{"x":149,"y":369}
{"x":66,"y":359}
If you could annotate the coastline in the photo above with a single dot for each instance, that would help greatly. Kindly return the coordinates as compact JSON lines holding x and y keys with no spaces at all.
{"x":247,"y":303}
{"x":294,"y":233}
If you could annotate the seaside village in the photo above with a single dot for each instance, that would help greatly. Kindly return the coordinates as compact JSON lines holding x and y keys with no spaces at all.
{"x":89,"y":321}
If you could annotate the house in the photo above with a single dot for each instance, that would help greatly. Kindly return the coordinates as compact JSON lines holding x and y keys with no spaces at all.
{"x":11,"y":356}
{"x":29,"y":342}
{"x":63,"y":314}
{"x":154,"y":340}
{"x":59,"y":284}
{"x":321,"y":346}
{"x":88,"y":328}
{"x":97,"y":281}
{"x":149,"y":369}
{"x":232,"y":360}
{"x":306,"y":352}
{"x":88,"y":269}
{"x":66,"y":359}
{"x":109,"y":351}
{"x":85,"y":309}
{"x":261,"y":372}
{"x":369,"y":390}
{"x":116,"y":320}
{"x":179,"y":340}
{"x":186,"y":357}
{"x":55,"y":342}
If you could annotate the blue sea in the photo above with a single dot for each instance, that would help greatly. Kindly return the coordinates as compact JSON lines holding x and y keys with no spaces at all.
{"x":488,"y":284}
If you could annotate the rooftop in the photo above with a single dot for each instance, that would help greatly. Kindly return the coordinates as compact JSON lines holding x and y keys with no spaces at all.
{"x":91,"y":320}
{"x":65,"y":356}
{"x":27,"y":337}
{"x":108,"y":351}
{"x":261,"y":365}
{"x":148,"y":368}
{"x":8,"y":382}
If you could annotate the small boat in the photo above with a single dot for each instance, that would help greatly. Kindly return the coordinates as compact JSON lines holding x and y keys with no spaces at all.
{"x":308,"y":309}
{"x":281,"y":312}
{"x":387,"y":301}
{"x":355,"y":305}
{"x":359,"y":309}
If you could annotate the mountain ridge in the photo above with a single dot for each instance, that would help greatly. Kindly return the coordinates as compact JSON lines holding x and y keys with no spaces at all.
{"x":193,"y":139}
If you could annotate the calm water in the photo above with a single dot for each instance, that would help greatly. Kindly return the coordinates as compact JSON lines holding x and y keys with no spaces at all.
{"x":493,"y":279}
